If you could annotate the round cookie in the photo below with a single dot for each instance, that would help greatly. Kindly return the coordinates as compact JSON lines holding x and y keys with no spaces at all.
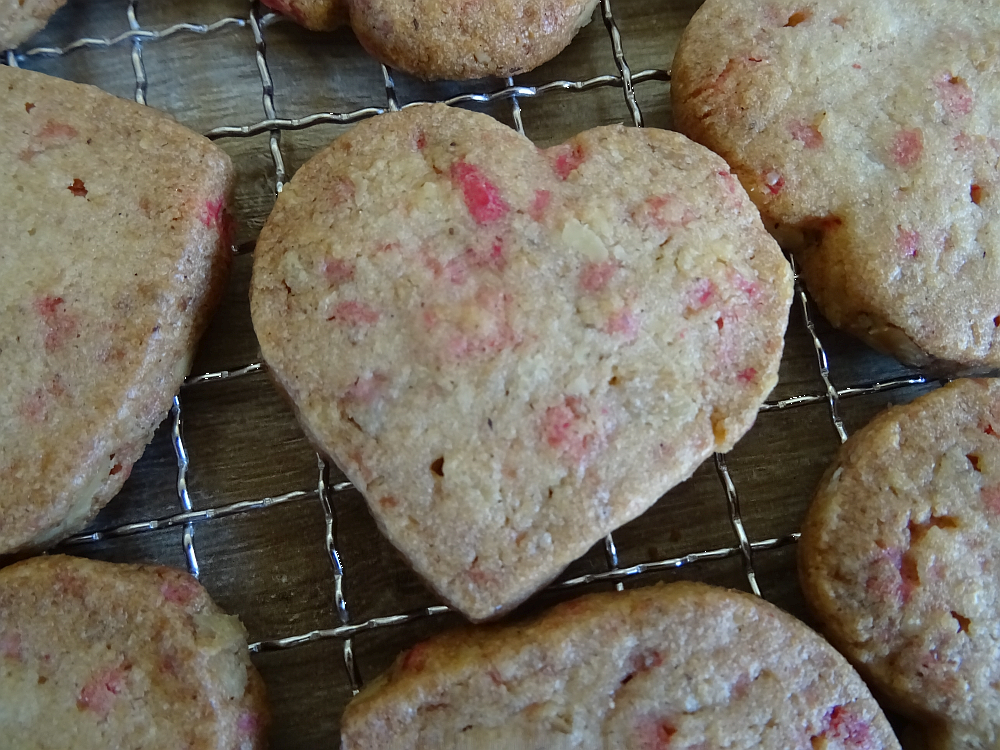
{"x":510,"y":351}
{"x":454,"y":39}
{"x":21,"y":19}
{"x":868,"y":135}
{"x":451,"y":39}
{"x":681,"y":666}
{"x":96,"y":655}
{"x":315,"y":15}
{"x":900,"y":559}
{"x":113,"y":251}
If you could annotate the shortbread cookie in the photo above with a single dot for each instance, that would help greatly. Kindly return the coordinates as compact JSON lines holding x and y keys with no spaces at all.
{"x":455,"y":39}
{"x":451,"y":39}
{"x":98,"y":655}
{"x":509,"y":351}
{"x":21,"y":19}
{"x":868,"y":134}
{"x":679,"y":666}
{"x":316,"y":15}
{"x":900,"y":558}
{"x":112,"y":251}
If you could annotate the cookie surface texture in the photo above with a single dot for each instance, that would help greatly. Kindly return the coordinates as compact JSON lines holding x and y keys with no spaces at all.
{"x":454,"y":39}
{"x":509,"y":351}
{"x":681,"y":666}
{"x":315,"y":15}
{"x":21,"y":19}
{"x":867,"y":133}
{"x":900,"y":559}
{"x":98,"y":655}
{"x":111,"y":255}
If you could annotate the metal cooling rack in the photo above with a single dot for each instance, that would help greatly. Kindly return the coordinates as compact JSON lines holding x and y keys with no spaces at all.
{"x":753,"y":499}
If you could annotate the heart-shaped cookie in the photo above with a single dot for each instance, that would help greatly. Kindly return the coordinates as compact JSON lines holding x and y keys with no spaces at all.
{"x":510,"y":351}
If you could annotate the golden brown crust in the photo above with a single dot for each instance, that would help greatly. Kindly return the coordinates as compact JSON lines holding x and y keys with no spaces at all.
{"x":900,"y":559}
{"x":98,"y":655}
{"x":315,"y":15}
{"x":114,"y":253}
{"x":685,"y":663}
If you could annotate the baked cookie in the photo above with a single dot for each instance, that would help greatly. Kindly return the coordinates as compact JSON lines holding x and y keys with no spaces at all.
{"x":451,"y":39}
{"x":454,"y":39}
{"x":900,"y":559}
{"x":112,"y":252}
{"x":509,"y":351}
{"x":868,"y":134}
{"x":315,"y":15}
{"x":21,"y":19}
{"x":98,"y":655}
{"x":682,"y":666}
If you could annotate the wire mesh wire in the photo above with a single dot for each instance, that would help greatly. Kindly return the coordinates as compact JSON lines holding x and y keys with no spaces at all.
{"x":307,"y":693}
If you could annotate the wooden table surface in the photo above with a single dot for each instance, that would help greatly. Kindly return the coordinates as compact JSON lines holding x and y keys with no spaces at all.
{"x":267,"y":527}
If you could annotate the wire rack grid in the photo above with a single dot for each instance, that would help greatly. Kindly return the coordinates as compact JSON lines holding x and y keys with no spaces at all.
{"x":326,"y":602}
